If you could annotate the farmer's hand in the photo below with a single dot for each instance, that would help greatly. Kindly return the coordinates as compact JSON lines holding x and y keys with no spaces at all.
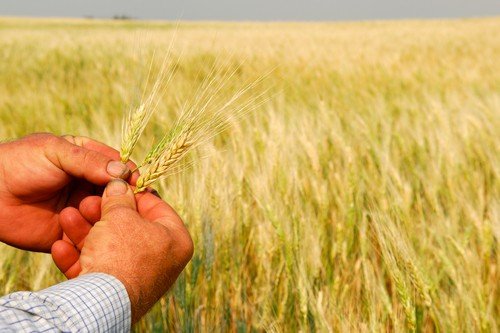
{"x":139,"y":239}
{"x":40,"y":175}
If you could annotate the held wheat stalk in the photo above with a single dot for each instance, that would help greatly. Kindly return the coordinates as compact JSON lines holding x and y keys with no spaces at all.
{"x":205,"y":116}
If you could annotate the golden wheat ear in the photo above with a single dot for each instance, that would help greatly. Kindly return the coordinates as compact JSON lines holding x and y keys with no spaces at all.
{"x":137,"y":119}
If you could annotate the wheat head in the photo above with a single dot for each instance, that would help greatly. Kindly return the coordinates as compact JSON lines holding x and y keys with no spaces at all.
{"x":161,"y":166}
{"x":136,"y":120}
{"x":133,"y":127}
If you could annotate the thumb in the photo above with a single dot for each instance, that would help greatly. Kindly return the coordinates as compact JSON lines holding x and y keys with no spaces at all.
{"x":118,"y":198}
{"x":85,"y":158}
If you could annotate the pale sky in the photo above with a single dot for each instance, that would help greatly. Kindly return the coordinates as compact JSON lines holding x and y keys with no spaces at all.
{"x":254,"y":10}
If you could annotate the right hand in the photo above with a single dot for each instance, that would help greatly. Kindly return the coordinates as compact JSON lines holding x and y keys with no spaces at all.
{"x":139,"y":240}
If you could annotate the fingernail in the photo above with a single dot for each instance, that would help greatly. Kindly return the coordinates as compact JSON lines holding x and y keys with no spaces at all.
{"x":116,"y":187}
{"x":117,"y":169}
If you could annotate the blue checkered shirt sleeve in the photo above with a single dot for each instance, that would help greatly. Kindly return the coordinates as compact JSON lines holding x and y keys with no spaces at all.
{"x":89,"y":303}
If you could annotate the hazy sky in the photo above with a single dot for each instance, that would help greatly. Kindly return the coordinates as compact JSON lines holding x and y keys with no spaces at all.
{"x":253,"y":9}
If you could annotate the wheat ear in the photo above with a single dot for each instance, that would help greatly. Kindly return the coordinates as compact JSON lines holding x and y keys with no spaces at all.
{"x":175,"y":151}
{"x":136,"y":120}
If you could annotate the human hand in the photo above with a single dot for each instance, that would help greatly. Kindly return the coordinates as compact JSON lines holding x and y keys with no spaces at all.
{"x":40,"y":175}
{"x":139,"y":240}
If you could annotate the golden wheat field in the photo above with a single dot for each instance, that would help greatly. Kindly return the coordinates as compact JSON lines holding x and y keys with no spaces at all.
{"x":361,"y":194}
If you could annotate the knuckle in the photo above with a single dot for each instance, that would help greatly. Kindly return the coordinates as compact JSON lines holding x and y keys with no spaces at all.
{"x":49,"y":139}
{"x":184,"y":245}
{"x":43,"y":139}
{"x":87,"y":157}
{"x":189,"y":249}
{"x":176,"y":219}
{"x":174,"y":246}
{"x":76,"y":151}
{"x":117,"y":211}
{"x":79,"y":154}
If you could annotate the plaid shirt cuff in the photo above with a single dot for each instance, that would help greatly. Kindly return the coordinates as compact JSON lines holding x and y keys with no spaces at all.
{"x":90,"y":303}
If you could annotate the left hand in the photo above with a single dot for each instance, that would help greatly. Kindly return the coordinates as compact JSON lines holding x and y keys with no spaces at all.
{"x":40,"y":175}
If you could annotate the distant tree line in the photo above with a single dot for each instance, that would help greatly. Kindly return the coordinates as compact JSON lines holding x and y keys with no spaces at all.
{"x":115,"y":17}
{"x":122,"y":17}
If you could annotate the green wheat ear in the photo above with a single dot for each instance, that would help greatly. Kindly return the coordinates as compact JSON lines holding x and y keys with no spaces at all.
{"x":160,"y":147}
{"x":166,"y":159}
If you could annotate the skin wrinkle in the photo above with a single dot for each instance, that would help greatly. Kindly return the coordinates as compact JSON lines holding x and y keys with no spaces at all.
{"x":87,"y":156}
{"x":76,"y":151}
{"x":58,"y":161}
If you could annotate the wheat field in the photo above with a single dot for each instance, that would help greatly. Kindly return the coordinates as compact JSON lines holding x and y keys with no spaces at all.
{"x":361,"y":195}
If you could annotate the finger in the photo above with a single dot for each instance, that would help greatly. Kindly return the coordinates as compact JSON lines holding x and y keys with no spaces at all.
{"x":99,"y":147}
{"x":74,"y":225}
{"x":66,"y":238}
{"x":106,"y":150}
{"x":153,"y":191}
{"x":133,"y":177}
{"x":74,"y":270}
{"x":81,"y":162}
{"x":90,"y":208}
{"x":66,"y":257}
{"x":118,"y":198}
{"x":154,"y":209}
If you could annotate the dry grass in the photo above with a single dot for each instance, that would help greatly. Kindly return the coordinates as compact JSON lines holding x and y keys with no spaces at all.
{"x":363,"y":197}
